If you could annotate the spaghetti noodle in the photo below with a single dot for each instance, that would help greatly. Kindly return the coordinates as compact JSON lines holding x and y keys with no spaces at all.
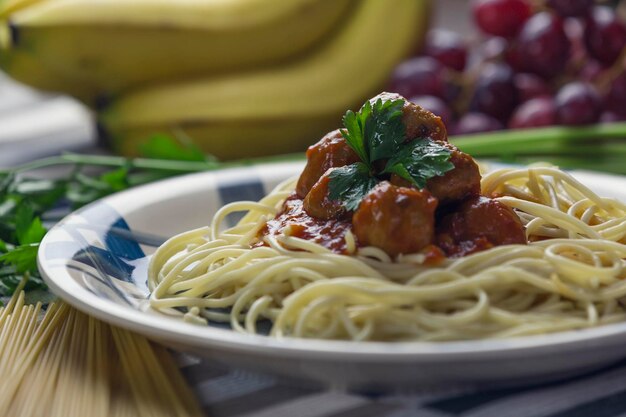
{"x":569,"y":276}
{"x":79,"y":366}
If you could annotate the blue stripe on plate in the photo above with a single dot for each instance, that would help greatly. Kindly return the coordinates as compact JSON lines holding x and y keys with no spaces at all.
{"x":106,"y":216}
{"x":106,"y":262}
{"x":121,"y":246}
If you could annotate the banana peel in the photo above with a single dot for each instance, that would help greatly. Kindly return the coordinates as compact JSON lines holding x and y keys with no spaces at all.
{"x":281,"y":109}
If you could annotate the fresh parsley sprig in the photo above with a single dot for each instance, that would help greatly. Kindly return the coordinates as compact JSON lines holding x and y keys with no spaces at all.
{"x":350,"y":183}
{"x":420,"y":160}
{"x":376,"y":133}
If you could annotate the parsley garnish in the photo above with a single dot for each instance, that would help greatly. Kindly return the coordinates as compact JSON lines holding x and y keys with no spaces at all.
{"x":420,"y":160}
{"x":376,"y":133}
{"x":351,"y":183}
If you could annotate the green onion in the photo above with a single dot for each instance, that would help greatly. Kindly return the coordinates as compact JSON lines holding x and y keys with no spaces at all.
{"x":599,"y":147}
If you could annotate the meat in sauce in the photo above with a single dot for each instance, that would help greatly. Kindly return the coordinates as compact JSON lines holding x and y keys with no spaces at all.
{"x":328,"y":233}
{"x":395,"y":219}
{"x":462,"y":182}
{"x":319,"y":205}
{"x":419,"y":122}
{"x":448,"y":215}
{"x":330,"y":152}
{"x":477,"y":224}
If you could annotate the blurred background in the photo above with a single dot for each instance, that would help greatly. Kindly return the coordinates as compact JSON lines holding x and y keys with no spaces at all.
{"x":113,"y":79}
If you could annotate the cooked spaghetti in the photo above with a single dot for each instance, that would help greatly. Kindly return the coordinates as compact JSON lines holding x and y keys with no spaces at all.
{"x":569,"y":273}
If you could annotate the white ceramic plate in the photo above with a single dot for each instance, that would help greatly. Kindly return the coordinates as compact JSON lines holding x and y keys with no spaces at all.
{"x":96,"y":260}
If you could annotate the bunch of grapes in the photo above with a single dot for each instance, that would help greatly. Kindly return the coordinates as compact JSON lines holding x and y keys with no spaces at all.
{"x":539,"y":63}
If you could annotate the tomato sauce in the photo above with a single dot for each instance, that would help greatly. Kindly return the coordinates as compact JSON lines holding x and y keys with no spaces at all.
{"x":328,"y":233}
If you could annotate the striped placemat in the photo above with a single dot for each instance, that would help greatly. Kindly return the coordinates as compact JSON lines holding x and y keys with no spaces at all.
{"x":228,"y":393}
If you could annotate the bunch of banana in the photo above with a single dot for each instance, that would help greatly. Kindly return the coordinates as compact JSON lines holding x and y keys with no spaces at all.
{"x":281,"y":109}
{"x":239,"y":77}
{"x":89,"y":48}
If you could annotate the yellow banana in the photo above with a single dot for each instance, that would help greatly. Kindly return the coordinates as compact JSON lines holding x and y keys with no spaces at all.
{"x":277,"y":109}
{"x":10,"y":6}
{"x":106,"y":46}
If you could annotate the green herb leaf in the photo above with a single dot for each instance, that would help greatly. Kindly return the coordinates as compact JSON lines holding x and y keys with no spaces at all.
{"x":354,"y":134}
{"x":420,"y":160}
{"x":384,"y":130}
{"x":28,"y":228}
{"x":349,"y":184}
{"x":161,"y":146}
{"x":376,"y":131}
{"x":117,"y":179}
{"x":23,"y":257}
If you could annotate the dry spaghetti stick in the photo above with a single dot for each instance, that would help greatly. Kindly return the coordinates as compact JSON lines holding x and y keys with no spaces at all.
{"x":23,"y":405}
{"x":156,"y":369}
{"x":64,"y":359}
{"x":127,"y":360}
{"x":40,"y":339}
{"x":97,"y":374}
{"x":184,"y":394}
{"x":68,"y":365}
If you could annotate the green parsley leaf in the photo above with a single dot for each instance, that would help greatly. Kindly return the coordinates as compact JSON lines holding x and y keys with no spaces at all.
{"x":161,"y":146}
{"x":376,"y":131}
{"x":117,"y":179}
{"x":23,"y":257}
{"x":354,"y":134}
{"x":384,"y":130}
{"x":28,"y":228}
{"x":420,"y":160}
{"x":350,"y":183}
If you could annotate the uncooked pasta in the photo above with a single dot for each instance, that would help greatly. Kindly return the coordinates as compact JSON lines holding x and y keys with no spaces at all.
{"x":67,"y":364}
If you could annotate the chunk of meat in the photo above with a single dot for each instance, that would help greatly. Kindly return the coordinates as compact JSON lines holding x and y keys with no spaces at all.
{"x":395,"y":219}
{"x":318,"y":204}
{"x":330,"y":152}
{"x":479,"y":223}
{"x":461,"y":182}
{"x":419,"y":122}
{"x":455,"y":185}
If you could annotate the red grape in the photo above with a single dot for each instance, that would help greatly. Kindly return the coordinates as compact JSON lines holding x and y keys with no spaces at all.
{"x":495,"y":93}
{"x":513,"y":57}
{"x":448,"y":48}
{"x":575,"y":29}
{"x":577,"y":103}
{"x":531,"y":86}
{"x":612,"y":117}
{"x":501,"y":17}
{"x":591,"y":71}
{"x":476,"y":123}
{"x":419,"y":76}
{"x":615,"y":99}
{"x":534,"y":113}
{"x":493,"y":48}
{"x":605,"y":35}
{"x":570,"y":8}
{"x":435,"y":105}
{"x":543,"y":46}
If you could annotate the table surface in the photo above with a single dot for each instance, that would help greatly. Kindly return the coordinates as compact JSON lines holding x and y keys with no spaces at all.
{"x":33,"y":124}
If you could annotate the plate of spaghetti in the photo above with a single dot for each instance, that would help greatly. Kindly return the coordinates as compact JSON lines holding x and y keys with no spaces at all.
{"x":389,"y":258}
